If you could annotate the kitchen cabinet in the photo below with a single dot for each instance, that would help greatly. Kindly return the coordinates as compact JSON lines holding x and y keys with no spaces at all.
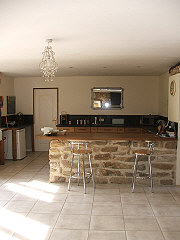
{"x":132,"y":130}
{"x":82,"y":129}
{"x":107,"y":129}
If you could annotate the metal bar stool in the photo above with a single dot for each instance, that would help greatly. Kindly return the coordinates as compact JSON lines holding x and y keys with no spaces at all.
{"x":144,"y":152}
{"x":80,"y":149}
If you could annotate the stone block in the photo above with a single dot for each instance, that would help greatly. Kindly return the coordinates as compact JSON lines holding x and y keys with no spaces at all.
{"x":167,"y":158}
{"x":107,"y":172}
{"x":101,"y":180}
{"x":117,"y":165}
{"x":120,"y":180}
{"x":171,"y":145}
{"x":163,"y":166}
{"x":105,"y":156}
{"x":121,"y":143}
{"x":109,"y":149}
{"x":166,"y":182}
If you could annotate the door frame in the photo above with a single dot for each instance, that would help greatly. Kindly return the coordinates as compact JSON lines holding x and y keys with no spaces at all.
{"x":34,"y":105}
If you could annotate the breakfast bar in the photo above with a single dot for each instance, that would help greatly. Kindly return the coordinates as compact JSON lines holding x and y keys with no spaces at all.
{"x":113,"y":156}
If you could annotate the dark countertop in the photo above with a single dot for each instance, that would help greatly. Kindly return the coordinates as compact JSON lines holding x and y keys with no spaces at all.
{"x":107,"y":136}
{"x":93,"y":125}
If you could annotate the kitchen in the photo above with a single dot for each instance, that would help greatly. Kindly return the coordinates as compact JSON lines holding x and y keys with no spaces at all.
{"x":97,"y":44}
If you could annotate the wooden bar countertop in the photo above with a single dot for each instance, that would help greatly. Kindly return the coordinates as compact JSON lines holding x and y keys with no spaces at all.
{"x":107,"y":136}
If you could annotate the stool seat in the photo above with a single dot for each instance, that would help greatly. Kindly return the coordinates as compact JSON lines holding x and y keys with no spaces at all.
{"x":81,"y":151}
{"x":143,"y":152}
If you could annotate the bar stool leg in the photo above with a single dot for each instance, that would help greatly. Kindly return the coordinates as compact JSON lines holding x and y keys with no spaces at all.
{"x":134,"y":173}
{"x":150,"y":174}
{"x":69,"y":184}
{"x":78,"y":168}
{"x":90,"y":164}
{"x":84,"y":177}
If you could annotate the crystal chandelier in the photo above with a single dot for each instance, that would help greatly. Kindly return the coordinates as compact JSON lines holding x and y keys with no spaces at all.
{"x":48,"y":65}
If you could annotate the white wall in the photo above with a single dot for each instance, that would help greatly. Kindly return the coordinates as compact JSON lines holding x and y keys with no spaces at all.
{"x":140,"y":93}
{"x":7,"y":90}
{"x":163,"y":94}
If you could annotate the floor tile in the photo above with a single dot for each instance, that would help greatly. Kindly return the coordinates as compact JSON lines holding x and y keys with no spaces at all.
{"x":126,"y":188}
{"x":172,"y":235}
{"x":73,"y":222}
{"x":111,"y":223}
{"x":166,"y":210}
{"x":141,"y":223}
{"x":49,"y":219}
{"x":161,"y":198}
{"x":113,"y":191}
{"x":19,"y":206}
{"x":106,"y":198}
{"x":65,"y":234}
{"x":134,"y":198}
{"x":33,"y":234}
{"x":47,"y":207}
{"x":107,"y":235}
{"x":144,"y":235}
{"x":169,"y":224}
{"x":137,"y":210}
{"x":107,"y":209}
{"x":77,"y":208}
{"x":80,"y":198}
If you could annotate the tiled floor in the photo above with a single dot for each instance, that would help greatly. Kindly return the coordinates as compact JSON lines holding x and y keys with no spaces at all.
{"x":31,"y":208}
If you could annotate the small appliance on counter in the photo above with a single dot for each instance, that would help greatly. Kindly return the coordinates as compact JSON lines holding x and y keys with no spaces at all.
{"x":46,"y":130}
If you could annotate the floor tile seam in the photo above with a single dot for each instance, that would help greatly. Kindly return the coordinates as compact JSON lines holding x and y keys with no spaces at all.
{"x":174,"y":198}
{"x":58,"y":217}
{"x":156,"y":219}
{"x":91,"y":211}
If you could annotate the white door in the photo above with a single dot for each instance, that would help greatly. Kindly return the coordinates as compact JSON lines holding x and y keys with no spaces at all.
{"x":45,"y":114}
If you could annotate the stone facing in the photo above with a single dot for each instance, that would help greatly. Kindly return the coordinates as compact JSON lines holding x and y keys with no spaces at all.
{"x":113,"y":161}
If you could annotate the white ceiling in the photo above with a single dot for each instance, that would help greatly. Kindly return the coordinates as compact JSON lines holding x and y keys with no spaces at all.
{"x":94,"y":37}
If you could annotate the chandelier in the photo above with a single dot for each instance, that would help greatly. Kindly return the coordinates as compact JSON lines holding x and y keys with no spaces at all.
{"x":48,"y":65}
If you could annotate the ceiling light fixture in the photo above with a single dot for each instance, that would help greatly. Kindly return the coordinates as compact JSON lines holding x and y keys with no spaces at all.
{"x":48,"y":65}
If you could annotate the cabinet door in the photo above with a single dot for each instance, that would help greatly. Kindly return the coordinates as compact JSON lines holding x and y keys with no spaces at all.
{"x":132,"y":130}
{"x":94,"y":129}
{"x":69,"y":129}
{"x":120,"y":130}
{"x":107,"y":129}
{"x":82,"y":129}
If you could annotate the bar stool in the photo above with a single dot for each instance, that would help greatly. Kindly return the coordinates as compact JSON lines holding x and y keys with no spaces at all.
{"x":80,"y":149}
{"x":144,"y":152}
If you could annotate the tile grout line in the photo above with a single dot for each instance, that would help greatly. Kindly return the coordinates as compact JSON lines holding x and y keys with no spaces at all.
{"x":156,"y":218}
{"x":122,"y":213}
{"x":91,"y":212}
{"x":58,"y":216}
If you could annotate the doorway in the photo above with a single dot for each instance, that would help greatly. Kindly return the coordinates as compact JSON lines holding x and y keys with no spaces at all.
{"x":45,"y":112}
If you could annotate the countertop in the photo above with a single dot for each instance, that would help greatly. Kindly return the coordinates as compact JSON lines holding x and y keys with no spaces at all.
{"x":107,"y":136}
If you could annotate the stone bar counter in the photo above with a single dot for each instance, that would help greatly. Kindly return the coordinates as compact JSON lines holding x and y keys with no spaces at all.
{"x":113,"y":157}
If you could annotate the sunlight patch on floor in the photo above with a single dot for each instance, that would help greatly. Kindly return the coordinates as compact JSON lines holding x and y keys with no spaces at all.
{"x":32,"y":193}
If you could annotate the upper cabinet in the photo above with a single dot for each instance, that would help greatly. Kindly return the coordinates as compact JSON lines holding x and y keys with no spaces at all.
{"x":174,"y":98}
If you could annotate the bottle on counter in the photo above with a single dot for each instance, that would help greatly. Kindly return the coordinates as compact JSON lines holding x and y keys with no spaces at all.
{"x":77,"y":122}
